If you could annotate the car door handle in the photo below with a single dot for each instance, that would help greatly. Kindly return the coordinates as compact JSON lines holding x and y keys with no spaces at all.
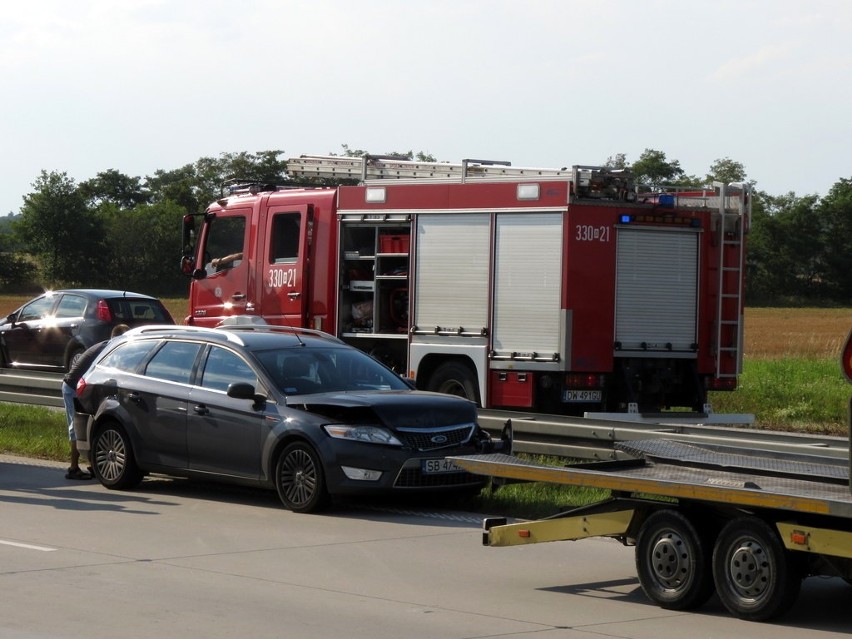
{"x":135,"y":397}
{"x":201,"y":409}
{"x":293,"y":294}
{"x":238,"y":296}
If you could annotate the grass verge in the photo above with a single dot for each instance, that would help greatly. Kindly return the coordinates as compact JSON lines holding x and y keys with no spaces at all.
{"x":793,"y":394}
{"x":33,"y":431}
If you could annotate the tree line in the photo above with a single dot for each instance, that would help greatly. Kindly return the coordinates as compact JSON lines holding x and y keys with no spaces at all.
{"x":118,"y":231}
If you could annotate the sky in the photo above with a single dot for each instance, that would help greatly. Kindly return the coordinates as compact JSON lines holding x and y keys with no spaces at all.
{"x":143,"y":85}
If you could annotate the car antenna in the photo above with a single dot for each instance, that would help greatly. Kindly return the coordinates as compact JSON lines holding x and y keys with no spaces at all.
{"x":295,"y":330}
{"x":296,"y":333}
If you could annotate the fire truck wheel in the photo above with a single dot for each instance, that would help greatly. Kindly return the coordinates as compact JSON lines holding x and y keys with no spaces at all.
{"x":112,"y":458}
{"x":455,"y":378}
{"x":300,"y":479}
{"x":755,"y":576}
{"x":673,"y":562}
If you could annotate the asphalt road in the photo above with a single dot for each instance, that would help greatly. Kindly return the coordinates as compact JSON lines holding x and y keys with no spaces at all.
{"x":180,"y":559}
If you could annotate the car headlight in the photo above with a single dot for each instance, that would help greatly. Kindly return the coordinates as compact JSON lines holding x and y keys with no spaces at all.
{"x":367,"y":434}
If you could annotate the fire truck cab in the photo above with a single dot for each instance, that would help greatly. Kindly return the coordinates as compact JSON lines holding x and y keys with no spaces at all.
{"x":548,"y":290}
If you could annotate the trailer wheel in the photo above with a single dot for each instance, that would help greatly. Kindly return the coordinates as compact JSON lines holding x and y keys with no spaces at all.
{"x":455,"y":378}
{"x":754,"y":574}
{"x":673,"y":562}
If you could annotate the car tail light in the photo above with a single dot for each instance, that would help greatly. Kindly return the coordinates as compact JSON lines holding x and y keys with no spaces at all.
{"x":104,"y":314}
{"x":81,"y":387}
{"x":846,"y":358}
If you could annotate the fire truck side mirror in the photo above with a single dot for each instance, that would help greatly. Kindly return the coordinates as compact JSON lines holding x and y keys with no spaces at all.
{"x":187,"y":265}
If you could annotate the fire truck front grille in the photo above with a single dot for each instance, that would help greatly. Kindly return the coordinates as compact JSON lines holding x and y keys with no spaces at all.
{"x":435,"y":438}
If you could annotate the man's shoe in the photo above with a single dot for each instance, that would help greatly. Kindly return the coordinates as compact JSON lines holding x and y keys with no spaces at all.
{"x":76,"y":473}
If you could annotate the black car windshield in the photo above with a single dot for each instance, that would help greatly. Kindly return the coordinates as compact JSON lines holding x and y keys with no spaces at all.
{"x":302,"y":371}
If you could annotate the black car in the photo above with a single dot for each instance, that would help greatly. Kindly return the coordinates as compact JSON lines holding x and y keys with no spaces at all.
{"x":51,"y":331}
{"x":291,"y":409}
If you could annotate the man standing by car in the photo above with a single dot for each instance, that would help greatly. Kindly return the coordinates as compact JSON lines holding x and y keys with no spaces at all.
{"x":69,"y":390}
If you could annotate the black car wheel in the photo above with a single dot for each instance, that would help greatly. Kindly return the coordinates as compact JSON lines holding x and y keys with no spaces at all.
{"x":300,"y":479}
{"x":112,"y":458}
{"x":73,"y":355}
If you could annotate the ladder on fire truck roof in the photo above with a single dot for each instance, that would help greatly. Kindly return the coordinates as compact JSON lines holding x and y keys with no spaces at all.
{"x":594,"y":182}
{"x":382,"y":167}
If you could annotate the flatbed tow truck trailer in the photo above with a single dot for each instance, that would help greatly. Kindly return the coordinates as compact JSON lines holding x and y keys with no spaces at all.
{"x":747,"y":524}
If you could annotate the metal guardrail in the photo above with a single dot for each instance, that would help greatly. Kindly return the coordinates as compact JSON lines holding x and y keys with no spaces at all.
{"x":31,"y":387}
{"x":573,"y":437}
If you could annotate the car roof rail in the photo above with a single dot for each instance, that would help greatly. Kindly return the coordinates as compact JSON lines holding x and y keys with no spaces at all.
{"x":276,"y":328}
{"x":230,"y":332}
{"x":178,"y":329}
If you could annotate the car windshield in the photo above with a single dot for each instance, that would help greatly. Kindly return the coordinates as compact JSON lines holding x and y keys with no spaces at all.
{"x":301,"y":371}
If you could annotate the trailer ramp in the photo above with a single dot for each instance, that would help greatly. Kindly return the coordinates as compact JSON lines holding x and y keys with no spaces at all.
{"x":798,"y":484}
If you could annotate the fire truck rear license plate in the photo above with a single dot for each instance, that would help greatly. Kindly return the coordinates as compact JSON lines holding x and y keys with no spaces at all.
{"x":581,"y":396}
{"x":433,"y":466}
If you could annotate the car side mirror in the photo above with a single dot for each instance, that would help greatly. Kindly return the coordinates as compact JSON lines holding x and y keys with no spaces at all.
{"x":242,"y":390}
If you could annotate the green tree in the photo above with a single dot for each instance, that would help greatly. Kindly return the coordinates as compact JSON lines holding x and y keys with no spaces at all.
{"x":16,"y":272}
{"x":151,"y":266}
{"x":726,"y":170}
{"x":785,"y":255}
{"x":652,"y":168}
{"x":834,"y":212}
{"x":617,"y":161}
{"x":114,"y":187}
{"x":194,"y":186}
{"x":57,"y":227}
{"x":179,"y":186}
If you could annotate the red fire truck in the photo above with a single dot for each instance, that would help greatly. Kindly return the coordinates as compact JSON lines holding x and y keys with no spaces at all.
{"x":558,"y":291}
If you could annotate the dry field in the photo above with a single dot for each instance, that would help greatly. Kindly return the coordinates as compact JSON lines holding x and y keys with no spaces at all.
{"x":807,"y":333}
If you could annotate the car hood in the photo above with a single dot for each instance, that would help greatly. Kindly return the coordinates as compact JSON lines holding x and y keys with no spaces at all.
{"x":394,"y":409}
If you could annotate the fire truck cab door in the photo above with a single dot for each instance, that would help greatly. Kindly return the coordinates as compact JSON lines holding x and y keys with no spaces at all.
{"x":225,"y":289}
{"x":283,"y":266}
